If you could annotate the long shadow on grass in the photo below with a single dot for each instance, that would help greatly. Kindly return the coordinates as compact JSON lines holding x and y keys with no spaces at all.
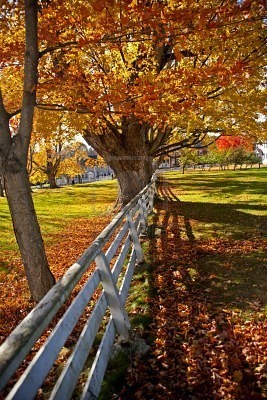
{"x":197,"y":354}
{"x":226,"y":217}
{"x":224,"y":184}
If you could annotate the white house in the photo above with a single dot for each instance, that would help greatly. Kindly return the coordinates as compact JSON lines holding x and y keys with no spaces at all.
{"x":261,"y":149}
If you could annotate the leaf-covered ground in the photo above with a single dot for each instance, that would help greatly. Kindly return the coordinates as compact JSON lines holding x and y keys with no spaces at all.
{"x":70,"y":243}
{"x":208,"y":309}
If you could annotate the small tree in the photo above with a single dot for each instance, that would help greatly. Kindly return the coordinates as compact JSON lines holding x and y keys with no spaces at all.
{"x":187,"y":157}
{"x":238,"y":156}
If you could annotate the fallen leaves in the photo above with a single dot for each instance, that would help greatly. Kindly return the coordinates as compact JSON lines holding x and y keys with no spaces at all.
{"x":205,"y":347}
{"x":68,"y":245}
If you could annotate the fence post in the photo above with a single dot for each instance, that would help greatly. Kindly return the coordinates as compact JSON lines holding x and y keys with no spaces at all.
{"x":115,"y":305}
{"x":151,"y":198}
{"x":152,"y":192}
{"x":134,"y":236}
{"x":143,"y":213}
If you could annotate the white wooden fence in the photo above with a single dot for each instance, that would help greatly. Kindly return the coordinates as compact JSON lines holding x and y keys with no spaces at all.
{"x":124,"y":250}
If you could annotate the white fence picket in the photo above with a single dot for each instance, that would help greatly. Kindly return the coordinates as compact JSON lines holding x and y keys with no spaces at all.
{"x":126,"y":226}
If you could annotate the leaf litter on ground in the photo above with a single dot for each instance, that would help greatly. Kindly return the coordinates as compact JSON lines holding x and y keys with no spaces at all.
{"x":209,"y":316}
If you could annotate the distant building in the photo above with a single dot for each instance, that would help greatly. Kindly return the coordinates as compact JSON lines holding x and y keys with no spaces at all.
{"x":261,"y":150}
{"x":89,"y":174}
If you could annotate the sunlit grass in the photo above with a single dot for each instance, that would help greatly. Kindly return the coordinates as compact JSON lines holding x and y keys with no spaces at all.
{"x":248,"y":186}
{"x":58,"y":207}
{"x":221,"y":203}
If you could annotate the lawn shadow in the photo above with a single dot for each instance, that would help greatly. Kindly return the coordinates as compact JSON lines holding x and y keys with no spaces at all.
{"x":224,"y":217}
{"x":203,"y":280}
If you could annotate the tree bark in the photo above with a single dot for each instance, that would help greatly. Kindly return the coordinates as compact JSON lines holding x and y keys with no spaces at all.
{"x":133,"y":174}
{"x":27,"y":232}
{"x":128,"y":154}
{"x":52,"y":181}
{"x":13,"y":167}
{"x":1,"y":187}
{"x":52,"y":178}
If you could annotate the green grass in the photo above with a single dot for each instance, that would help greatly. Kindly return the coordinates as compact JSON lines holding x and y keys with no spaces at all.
{"x":224,"y":215}
{"x":223,"y":203}
{"x":58,"y":207}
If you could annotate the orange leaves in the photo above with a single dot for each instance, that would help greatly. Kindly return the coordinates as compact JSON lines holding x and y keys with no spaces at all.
{"x":15,"y":301}
{"x":98,"y":5}
{"x":203,"y":347}
{"x":231,"y":142}
{"x":177,"y":53}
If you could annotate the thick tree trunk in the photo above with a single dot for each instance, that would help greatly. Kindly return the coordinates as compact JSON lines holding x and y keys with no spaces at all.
{"x":52,"y":180}
{"x":133,"y":175}
{"x":128,"y":154}
{"x":27,"y":232}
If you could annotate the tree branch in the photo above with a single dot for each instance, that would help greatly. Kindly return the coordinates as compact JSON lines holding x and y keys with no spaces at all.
{"x":57,"y":47}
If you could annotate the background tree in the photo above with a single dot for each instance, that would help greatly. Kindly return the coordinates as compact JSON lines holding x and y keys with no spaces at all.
{"x":187,"y":157}
{"x":225,"y":142}
{"x":53,"y":142}
{"x":75,"y":162}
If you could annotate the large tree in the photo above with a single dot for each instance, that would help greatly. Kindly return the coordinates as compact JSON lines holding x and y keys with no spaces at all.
{"x":154,"y":76}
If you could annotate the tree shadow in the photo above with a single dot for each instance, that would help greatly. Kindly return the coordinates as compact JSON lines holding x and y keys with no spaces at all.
{"x":230,"y":185}
{"x":197,"y":353}
{"x":241,"y":224}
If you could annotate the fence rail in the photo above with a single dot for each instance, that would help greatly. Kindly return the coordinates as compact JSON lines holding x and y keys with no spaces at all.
{"x":121,"y":237}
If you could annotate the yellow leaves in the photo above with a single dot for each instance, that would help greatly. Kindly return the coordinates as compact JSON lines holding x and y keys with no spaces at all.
{"x":11,"y":83}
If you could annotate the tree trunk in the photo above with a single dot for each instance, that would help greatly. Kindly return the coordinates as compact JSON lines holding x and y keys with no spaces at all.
{"x":51,"y":171}
{"x":13,"y":166}
{"x":128,"y":154}
{"x":52,"y":180}
{"x":27,"y":232}
{"x":1,"y":187}
{"x":133,"y":175}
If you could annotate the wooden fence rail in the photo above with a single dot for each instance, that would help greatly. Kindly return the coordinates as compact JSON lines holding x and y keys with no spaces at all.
{"x":107,"y":267}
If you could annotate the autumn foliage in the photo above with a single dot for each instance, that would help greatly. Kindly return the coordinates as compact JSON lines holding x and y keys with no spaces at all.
{"x":231,"y":142}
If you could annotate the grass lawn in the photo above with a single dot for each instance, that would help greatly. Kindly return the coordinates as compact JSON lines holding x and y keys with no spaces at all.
{"x":58,"y":207}
{"x":224,"y":203}
{"x":228,"y":211}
